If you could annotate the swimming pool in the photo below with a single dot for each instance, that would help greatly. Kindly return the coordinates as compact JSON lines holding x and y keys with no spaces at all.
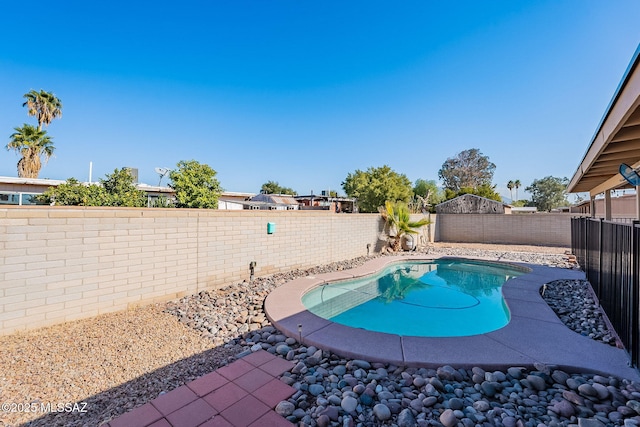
{"x":439,"y":298}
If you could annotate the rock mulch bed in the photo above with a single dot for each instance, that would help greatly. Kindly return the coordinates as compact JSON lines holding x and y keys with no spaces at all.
{"x":123,"y":360}
{"x":575,"y":305}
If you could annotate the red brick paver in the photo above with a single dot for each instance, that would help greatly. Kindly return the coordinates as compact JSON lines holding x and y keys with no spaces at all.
{"x":241,"y":394}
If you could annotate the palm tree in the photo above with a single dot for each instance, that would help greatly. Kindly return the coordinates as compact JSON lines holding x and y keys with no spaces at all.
{"x":32,"y":143}
{"x":517,"y":185}
{"x":510,"y":186}
{"x":398,"y":219}
{"x":45,"y":106}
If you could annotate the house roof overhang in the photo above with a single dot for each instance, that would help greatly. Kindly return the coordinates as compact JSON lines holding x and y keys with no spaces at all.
{"x":616,"y":141}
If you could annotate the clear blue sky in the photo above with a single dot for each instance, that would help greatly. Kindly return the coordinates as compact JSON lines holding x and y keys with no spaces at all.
{"x":304,"y":92}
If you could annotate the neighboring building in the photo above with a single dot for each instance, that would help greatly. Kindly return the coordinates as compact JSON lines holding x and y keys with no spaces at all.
{"x":472,"y":204}
{"x":622,"y":207}
{"x":325,"y":202}
{"x":234,"y":201}
{"x":22,"y":191}
{"x":278,"y":202}
{"x":524,"y":210}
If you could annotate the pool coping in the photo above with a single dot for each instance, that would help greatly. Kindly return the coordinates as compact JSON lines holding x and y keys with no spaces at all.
{"x":534,"y":334}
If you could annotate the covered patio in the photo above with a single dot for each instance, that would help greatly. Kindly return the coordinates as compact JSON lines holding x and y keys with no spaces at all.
{"x":607,"y":251}
{"x":616,"y":141}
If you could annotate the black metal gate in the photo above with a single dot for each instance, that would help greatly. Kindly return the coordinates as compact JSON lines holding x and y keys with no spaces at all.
{"x":609,"y":254}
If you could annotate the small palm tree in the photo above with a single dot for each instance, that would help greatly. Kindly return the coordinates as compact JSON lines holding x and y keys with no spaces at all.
{"x":517,"y":185}
{"x":510,"y":186}
{"x":44,"y":106}
{"x":398,"y":220}
{"x":32,"y":143}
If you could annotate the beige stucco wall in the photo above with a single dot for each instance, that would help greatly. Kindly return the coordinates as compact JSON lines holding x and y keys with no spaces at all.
{"x":59,"y":264}
{"x":521,"y":229}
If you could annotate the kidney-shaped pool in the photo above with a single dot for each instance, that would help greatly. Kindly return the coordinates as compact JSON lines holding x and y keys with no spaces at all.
{"x":439,"y":298}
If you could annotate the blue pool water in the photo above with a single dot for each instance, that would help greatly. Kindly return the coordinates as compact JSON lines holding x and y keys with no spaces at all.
{"x":440,"y":298}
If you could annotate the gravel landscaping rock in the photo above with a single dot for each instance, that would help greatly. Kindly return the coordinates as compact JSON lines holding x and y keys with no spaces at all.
{"x":122,"y":360}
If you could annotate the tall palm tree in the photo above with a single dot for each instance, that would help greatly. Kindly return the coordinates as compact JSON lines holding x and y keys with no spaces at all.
{"x":517,"y":185}
{"x":510,"y":186}
{"x":44,"y":106}
{"x":32,"y":143}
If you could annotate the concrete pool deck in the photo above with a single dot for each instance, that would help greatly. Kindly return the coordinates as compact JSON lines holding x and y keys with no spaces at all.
{"x":534,"y":334}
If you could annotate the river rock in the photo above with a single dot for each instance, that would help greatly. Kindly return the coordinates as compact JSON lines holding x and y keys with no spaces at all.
{"x":537,"y":382}
{"x":363,"y":364}
{"x":564,"y":408}
{"x":406,"y":418}
{"x":349,"y":404}
{"x":316,"y":389}
{"x":285,"y":408}
{"x":382,"y":412}
{"x":448,"y":418}
{"x":590,"y":422}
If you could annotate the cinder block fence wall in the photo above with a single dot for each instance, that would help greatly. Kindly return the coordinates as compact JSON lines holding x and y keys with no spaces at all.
{"x":544,"y":229}
{"x":60,"y":264}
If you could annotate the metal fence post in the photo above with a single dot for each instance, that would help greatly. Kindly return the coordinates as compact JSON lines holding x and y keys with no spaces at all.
{"x":634,"y":346}
{"x":600,"y":233}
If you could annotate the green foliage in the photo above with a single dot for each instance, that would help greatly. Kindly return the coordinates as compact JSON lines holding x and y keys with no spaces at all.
{"x":71,"y":193}
{"x":519,"y":203}
{"x":116,"y":190}
{"x":32,"y":144}
{"x":487,"y":191}
{"x":272,"y":187}
{"x":469,"y":168}
{"x":398,"y":219}
{"x":377,"y":185}
{"x":120,"y":190}
{"x":44,"y":106}
{"x":429,"y":191}
{"x":195,"y":185}
{"x":549,"y":193}
{"x":161,"y":202}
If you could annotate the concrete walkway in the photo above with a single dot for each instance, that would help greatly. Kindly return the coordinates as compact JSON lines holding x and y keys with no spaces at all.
{"x":534,"y":335}
{"x":240,"y":394}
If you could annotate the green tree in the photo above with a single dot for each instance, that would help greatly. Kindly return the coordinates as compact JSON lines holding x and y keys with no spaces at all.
{"x":70,"y":193}
{"x":272,"y":187}
{"x":428,"y":190}
{"x":516,"y":185}
{"x":519,"y":203}
{"x":487,"y":191}
{"x":548,"y":193}
{"x":121,"y":190}
{"x":44,"y":106}
{"x":469,"y":168}
{"x":116,"y":189}
{"x":32,"y":144}
{"x":375,"y":186}
{"x":510,"y":186}
{"x":195,"y":185}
